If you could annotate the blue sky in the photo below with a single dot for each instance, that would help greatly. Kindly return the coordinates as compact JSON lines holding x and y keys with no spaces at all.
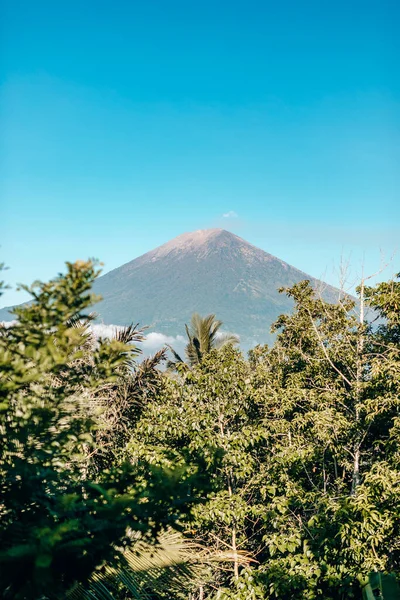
{"x":126,"y":123}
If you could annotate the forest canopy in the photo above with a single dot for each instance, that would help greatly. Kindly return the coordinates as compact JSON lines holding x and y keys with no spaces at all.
{"x":275,"y":475}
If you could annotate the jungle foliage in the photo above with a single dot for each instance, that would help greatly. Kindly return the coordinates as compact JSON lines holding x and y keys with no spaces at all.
{"x":224,"y":477}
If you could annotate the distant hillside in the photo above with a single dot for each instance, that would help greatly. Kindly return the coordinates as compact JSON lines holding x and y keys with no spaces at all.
{"x":208,"y":271}
{"x":205,"y":271}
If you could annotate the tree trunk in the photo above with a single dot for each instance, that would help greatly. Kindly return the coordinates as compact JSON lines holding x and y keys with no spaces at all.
{"x":356,"y":471}
{"x":356,"y":479}
{"x":230,"y":492}
{"x":235,"y":555}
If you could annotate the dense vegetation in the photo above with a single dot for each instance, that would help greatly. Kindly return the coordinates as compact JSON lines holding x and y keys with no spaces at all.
{"x":223,"y":477}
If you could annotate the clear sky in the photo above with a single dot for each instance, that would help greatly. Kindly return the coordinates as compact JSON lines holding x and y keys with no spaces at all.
{"x":126,"y":123}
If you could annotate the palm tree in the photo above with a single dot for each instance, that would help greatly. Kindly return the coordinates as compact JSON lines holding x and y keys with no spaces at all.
{"x":203,"y":336}
{"x":147,"y":568}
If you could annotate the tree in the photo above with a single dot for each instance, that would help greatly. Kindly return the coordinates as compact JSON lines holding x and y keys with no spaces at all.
{"x":331,"y":391}
{"x":58,"y":524}
{"x":209,"y":415}
{"x":203,"y":336}
{"x":285,"y":466}
{"x":147,"y":570}
{"x":307,"y":480}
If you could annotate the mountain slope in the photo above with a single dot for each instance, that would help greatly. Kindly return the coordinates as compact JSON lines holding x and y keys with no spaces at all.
{"x":207,"y":271}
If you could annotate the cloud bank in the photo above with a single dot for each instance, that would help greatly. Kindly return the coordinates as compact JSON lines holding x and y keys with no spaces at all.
{"x":153,"y":341}
{"x":8,"y":323}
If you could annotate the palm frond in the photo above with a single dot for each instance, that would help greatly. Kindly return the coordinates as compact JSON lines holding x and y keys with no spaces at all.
{"x":193,"y":351}
{"x":153,"y":361}
{"x":172,"y":364}
{"x":83,"y":324}
{"x":203,"y":335}
{"x":205,"y":330}
{"x":188,"y":332}
{"x":146,"y":373}
{"x":78,"y":321}
{"x":210,"y":327}
{"x":130,"y":334}
{"x":178,"y":359}
{"x":146,"y":570}
{"x":226,"y":338}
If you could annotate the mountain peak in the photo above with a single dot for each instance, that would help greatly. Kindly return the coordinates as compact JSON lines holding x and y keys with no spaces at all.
{"x":201,"y":236}
{"x":205,"y":271}
{"x":198,"y":237}
{"x":193,"y":241}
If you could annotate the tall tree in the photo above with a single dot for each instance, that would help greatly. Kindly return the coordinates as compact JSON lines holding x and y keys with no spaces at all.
{"x":331,"y":391}
{"x":57,"y":523}
{"x":209,"y":414}
{"x":203,"y":336}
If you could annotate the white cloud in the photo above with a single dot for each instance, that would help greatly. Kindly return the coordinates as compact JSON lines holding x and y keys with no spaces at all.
{"x":104,"y":331}
{"x":230,"y":215}
{"x":155,"y":340}
{"x":8,"y":323}
{"x":98,"y":329}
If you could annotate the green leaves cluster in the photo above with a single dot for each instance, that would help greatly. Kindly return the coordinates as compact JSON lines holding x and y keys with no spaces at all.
{"x":203,"y":336}
{"x":332,"y":394}
{"x":284,"y":466}
{"x":58,"y":521}
{"x":301,"y":444}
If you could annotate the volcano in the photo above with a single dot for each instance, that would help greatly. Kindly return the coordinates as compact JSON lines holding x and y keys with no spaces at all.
{"x":206,"y":271}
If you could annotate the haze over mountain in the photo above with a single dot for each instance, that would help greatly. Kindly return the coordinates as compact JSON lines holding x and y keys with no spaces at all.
{"x":206,"y":271}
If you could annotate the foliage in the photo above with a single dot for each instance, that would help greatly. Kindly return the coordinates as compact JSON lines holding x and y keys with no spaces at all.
{"x":145,"y":570}
{"x":281,"y":472}
{"x":331,"y":390}
{"x":308,"y":484}
{"x":210,"y":414}
{"x":203,"y":336}
{"x":58,"y":524}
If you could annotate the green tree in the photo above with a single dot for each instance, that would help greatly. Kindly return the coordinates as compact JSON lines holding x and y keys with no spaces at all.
{"x":147,"y":570}
{"x":57,"y":523}
{"x":298,"y":450}
{"x":210,"y":415}
{"x":203,"y":336}
{"x":330,"y":387}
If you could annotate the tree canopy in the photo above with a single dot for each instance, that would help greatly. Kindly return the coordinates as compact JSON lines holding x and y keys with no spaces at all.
{"x":269,"y":476}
